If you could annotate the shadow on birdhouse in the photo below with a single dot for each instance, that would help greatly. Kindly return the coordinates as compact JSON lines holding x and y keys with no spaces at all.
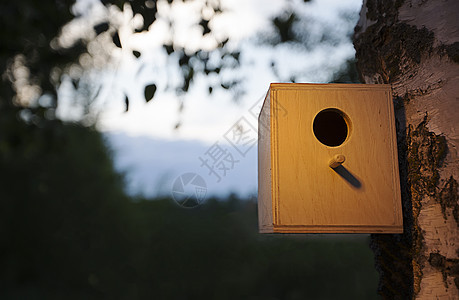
{"x":327,"y":160}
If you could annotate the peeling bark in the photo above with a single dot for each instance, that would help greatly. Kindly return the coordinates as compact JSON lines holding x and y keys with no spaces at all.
{"x":414,"y":45}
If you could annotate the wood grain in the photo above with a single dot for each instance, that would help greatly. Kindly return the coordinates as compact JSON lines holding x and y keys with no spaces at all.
{"x":296,"y":183}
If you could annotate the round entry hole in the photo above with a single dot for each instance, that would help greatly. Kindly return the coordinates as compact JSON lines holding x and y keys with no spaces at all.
{"x":331,"y":127}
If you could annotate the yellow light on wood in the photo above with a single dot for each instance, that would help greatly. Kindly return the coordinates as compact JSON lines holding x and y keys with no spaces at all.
{"x":327,"y":160}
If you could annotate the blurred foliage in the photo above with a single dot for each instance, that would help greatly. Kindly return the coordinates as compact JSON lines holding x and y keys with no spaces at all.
{"x":62,"y":211}
{"x":297,"y":28}
{"x":33,"y":60}
{"x":31,"y":55}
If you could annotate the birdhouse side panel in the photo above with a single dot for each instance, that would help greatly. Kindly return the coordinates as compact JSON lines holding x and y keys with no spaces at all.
{"x":265,"y":211}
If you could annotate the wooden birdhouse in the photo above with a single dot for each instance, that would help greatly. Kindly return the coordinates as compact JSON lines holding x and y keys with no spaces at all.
{"x":327,"y":160}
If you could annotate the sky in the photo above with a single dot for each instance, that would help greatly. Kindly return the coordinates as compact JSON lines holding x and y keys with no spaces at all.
{"x":147,"y":146}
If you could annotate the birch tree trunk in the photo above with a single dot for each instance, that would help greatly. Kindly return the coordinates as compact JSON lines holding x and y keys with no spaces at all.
{"x":414,"y":45}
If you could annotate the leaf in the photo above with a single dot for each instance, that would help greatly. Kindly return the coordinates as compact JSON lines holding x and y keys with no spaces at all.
{"x":184,"y":59}
{"x":284,"y":26}
{"x":75,"y":83}
{"x":169,"y":49}
{"x":150,"y":91}
{"x":126,"y":102}
{"x":236,"y":55}
{"x":101,"y":27}
{"x":136,"y":53}
{"x":116,"y":39}
{"x":205,"y":26}
{"x":223,"y":43}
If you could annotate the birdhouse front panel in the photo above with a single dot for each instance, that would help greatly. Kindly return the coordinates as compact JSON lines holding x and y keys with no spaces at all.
{"x":328,"y":160}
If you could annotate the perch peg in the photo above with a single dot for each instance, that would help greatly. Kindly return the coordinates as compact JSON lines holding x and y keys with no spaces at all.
{"x":336,"y":161}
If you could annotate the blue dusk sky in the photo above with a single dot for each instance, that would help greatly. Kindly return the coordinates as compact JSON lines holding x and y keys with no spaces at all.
{"x":147,"y":146}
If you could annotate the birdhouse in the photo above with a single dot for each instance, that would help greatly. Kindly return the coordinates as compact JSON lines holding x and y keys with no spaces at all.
{"x":327,"y":160}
